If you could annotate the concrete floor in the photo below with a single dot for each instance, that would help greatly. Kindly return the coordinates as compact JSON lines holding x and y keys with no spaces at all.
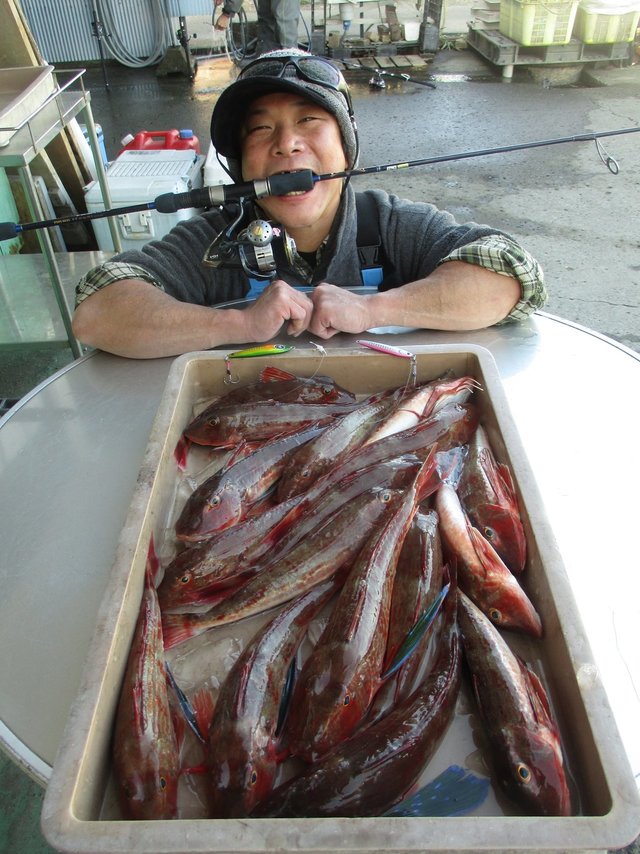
{"x":578,"y":218}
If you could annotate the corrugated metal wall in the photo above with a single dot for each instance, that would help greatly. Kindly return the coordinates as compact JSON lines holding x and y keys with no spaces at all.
{"x":64,"y":33}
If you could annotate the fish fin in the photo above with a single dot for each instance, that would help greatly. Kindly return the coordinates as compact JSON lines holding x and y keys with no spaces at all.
{"x":420,"y":628}
{"x":428,"y":477}
{"x":203,"y":707}
{"x":152,"y":567}
{"x":177,"y":628}
{"x":202,"y":768}
{"x":286,"y":695}
{"x":179,"y":728}
{"x":185,"y":706}
{"x":538,"y":696}
{"x":271,"y":374}
{"x":450,"y":464}
{"x":181,"y":451}
{"x":456,"y":791}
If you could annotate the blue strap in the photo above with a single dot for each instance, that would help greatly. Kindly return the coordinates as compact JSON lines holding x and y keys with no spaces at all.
{"x":371,"y":278}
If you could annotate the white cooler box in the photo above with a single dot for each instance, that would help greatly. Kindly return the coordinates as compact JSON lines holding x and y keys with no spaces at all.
{"x":136,"y":177}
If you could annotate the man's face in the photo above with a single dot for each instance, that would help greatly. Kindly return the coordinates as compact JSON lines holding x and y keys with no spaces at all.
{"x":283,"y":132}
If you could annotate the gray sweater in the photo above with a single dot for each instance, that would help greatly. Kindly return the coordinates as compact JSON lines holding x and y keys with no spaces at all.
{"x":415,"y":237}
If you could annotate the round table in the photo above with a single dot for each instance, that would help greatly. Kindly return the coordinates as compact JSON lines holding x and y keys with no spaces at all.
{"x":70,"y":452}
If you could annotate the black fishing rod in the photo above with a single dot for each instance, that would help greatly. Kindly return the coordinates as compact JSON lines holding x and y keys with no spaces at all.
{"x":305,"y":179}
{"x":609,"y":162}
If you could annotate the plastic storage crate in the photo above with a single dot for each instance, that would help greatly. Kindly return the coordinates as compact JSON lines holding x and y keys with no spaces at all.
{"x":537,"y":23}
{"x":600,"y":24}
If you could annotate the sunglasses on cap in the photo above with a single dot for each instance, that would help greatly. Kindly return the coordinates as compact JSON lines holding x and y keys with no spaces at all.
{"x":312,"y":69}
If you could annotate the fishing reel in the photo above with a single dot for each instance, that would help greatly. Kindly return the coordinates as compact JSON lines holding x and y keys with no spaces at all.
{"x":261,"y":249}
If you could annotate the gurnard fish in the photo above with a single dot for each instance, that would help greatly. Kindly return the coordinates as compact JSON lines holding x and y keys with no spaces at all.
{"x":516,"y":713}
{"x":228,"y":424}
{"x":423,"y":402}
{"x":243,"y":745}
{"x":284,"y":387}
{"x":419,"y":578}
{"x":200,"y":575}
{"x":225,"y":497}
{"x":145,"y":748}
{"x":200,"y":572}
{"x":327,"y":450}
{"x":375,"y":768}
{"x":481,"y":573}
{"x":330,"y":547}
{"x":489,"y":498}
{"x":342,"y":674}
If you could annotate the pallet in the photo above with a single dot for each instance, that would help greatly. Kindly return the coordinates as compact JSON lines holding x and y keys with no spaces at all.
{"x":500,"y":50}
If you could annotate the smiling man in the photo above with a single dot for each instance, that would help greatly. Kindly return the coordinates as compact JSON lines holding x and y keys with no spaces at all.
{"x":291,"y":111}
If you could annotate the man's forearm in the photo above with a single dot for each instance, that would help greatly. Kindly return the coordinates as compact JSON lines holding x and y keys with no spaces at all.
{"x":137,"y":320}
{"x":456,"y":296}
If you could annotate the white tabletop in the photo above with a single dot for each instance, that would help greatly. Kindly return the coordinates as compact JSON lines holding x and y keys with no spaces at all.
{"x":71,"y":450}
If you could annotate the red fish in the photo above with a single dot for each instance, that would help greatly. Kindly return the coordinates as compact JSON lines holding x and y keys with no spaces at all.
{"x":481,"y":573}
{"x":145,"y":748}
{"x":243,"y":748}
{"x":419,"y":578}
{"x":225,"y":425}
{"x":223,"y":499}
{"x":329,"y":449}
{"x":342,"y":674}
{"x":421,"y":403}
{"x":330,"y":547}
{"x":218,"y":562}
{"x":376,"y":767}
{"x":489,"y":498}
{"x":515,"y":709}
{"x":284,"y":387}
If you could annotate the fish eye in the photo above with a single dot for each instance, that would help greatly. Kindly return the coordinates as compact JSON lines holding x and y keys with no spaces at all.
{"x":495,"y":615}
{"x":213,"y":422}
{"x":163,"y":783}
{"x":385,"y":497}
{"x":186,"y":578}
{"x":305,"y":473}
{"x":489,"y":532}
{"x":253,"y":779}
{"x":523,"y":773}
{"x":326,"y":389}
{"x":214,"y":501}
{"x":347,"y":700}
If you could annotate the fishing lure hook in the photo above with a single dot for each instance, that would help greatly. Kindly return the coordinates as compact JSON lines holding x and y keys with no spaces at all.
{"x":394,"y":351}
{"x":610,"y":162}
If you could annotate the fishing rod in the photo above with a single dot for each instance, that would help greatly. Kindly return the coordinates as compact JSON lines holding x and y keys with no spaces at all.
{"x":303,"y":180}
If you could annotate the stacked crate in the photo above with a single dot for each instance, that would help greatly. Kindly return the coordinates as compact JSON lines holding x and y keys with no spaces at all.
{"x":534,"y":23}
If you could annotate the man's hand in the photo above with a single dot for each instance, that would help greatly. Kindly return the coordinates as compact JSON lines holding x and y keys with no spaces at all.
{"x":277,"y":304}
{"x":223,"y":21}
{"x":337,"y":310}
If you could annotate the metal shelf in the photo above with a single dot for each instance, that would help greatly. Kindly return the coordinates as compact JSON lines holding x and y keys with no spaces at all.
{"x":30,"y":138}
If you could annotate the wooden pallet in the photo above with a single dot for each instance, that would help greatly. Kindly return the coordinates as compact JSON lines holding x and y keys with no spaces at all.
{"x":500,"y":50}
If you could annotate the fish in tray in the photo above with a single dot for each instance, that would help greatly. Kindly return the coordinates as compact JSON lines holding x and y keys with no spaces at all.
{"x":145,"y":748}
{"x":525,"y":742}
{"x":342,"y":674}
{"x":333,"y":546}
{"x":373,"y":770}
{"x":225,"y":498}
{"x":243,"y":746}
{"x":488,"y":495}
{"x":482,"y":575}
{"x":228,"y":424}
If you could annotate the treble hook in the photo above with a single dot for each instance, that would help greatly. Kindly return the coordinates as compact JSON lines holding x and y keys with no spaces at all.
{"x":610,"y":162}
{"x":229,"y":379}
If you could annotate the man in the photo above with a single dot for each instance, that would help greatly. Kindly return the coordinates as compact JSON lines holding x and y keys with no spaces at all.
{"x":277,"y":22}
{"x":289,"y":111}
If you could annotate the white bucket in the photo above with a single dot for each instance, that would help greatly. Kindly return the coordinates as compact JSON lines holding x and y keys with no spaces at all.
{"x":412,"y":31}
